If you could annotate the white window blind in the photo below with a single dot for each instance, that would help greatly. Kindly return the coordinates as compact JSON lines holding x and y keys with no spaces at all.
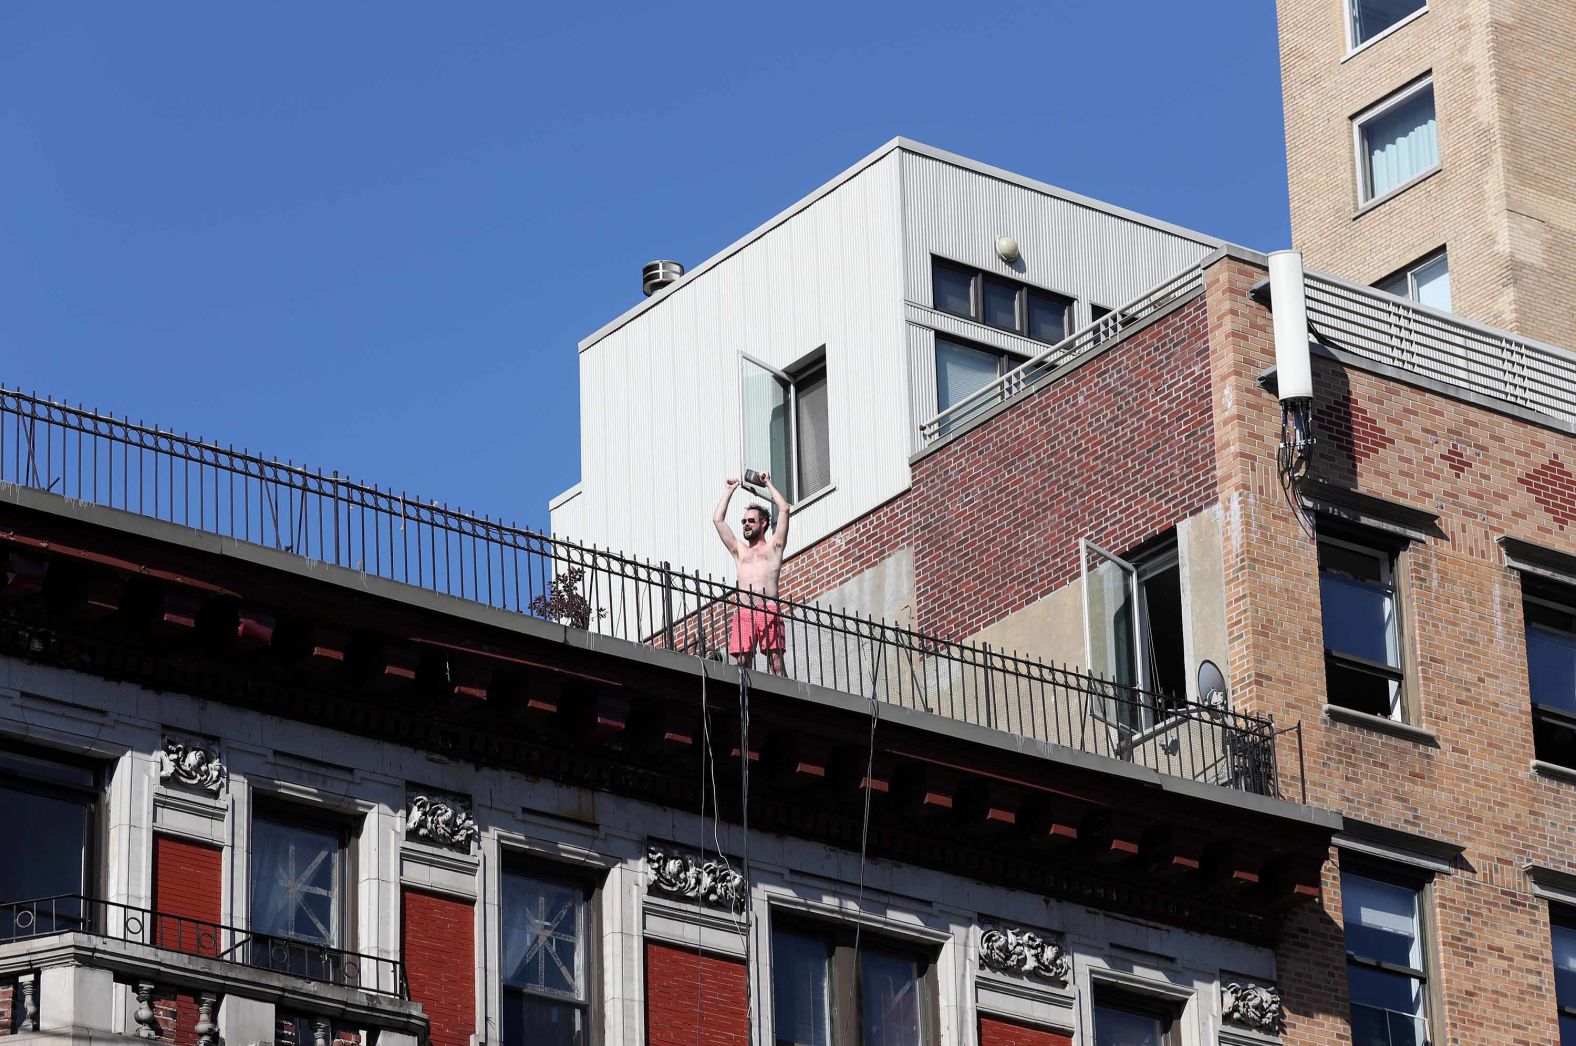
{"x":961,"y":370}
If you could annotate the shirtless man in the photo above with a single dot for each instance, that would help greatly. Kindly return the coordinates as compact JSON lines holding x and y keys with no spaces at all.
{"x":760,"y":560}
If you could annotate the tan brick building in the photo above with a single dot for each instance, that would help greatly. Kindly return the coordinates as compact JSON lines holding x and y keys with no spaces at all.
{"x":1476,"y":162}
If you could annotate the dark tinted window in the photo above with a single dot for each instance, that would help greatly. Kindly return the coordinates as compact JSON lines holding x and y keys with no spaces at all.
{"x":952,"y":288}
{"x":1047,"y":319}
{"x":999,"y":303}
{"x":52,"y":806}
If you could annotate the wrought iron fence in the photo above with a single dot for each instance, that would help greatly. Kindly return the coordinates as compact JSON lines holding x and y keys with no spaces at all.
{"x":67,"y":913}
{"x":393,"y":534}
{"x":1033,"y":371}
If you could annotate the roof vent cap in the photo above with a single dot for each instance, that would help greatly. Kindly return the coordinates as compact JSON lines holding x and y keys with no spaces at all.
{"x":655,"y":275}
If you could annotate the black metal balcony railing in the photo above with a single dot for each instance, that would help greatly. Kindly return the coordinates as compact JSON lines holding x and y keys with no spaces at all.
{"x":75,"y":913}
{"x":392,"y":534}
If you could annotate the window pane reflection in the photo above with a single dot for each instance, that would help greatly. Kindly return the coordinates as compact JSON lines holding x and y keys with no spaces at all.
{"x":952,"y":290}
{"x":1551,"y":656}
{"x":889,"y":989}
{"x":801,"y":999}
{"x":295,"y":881}
{"x":541,"y":936}
{"x":56,"y":827}
{"x":999,"y":304}
{"x":1114,"y":1027}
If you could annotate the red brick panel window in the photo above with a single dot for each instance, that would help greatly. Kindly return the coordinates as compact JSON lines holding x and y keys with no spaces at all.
{"x":439,"y":950}
{"x":997,"y":1032}
{"x":694,"y":997}
{"x":187,"y":891}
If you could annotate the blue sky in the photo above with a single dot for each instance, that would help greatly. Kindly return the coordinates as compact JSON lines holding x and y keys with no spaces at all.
{"x":369,"y":236}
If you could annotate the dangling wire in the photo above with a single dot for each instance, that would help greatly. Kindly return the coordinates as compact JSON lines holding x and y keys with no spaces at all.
{"x":864,"y":824}
{"x":744,"y":848}
{"x":1294,"y":457}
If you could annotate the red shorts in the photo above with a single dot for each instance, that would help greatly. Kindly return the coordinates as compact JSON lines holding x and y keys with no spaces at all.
{"x":760,"y":625}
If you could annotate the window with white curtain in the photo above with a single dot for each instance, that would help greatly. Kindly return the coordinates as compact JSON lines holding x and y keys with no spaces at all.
{"x":1397,"y":141}
{"x":786,"y":425}
{"x":1425,"y":281}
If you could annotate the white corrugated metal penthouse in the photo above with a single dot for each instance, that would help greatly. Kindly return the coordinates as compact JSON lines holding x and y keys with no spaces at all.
{"x":820,"y":343}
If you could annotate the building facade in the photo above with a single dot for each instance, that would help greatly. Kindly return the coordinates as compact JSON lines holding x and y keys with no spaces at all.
{"x":1428,"y":151}
{"x":1128,"y":504}
{"x":816,"y":345}
{"x":273,"y":794}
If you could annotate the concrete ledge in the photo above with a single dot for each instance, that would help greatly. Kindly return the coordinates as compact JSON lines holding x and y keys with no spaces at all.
{"x":465,"y":610}
{"x":1554,"y":771}
{"x":1405,"y":731}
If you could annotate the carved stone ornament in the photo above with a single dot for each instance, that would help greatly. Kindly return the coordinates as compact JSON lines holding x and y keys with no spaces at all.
{"x":1256,"y":1006}
{"x":711,"y":883}
{"x":190,"y":762}
{"x":442,"y":821}
{"x":1025,"y":953}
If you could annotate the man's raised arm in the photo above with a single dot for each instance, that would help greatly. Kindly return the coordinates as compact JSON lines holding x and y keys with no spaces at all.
{"x":780,"y":534}
{"x":719,"y":518}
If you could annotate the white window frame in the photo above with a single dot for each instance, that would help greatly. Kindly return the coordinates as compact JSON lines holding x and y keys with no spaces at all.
{"x":1410,"y":270}
{"x":814,"y":363}
{"x":1389,"y":575}
{"x":1353,"y":45}
{"x":1137,"y":576}
{"x":1365,"y":197}
{"x":1424,"y":930}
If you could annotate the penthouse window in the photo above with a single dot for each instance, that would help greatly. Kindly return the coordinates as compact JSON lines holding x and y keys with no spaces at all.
{"x":1362,"y":631}
{"x":1426,"y":281}
{"x":50,"y":810}
{"x":1386,"y":954}
{"x":786,"y":425}
{"x":547,"y":949}
{"x":1563,"y":930}
{"x":1550,"y":613}
{"x":1367,"y":19}
{"x":824,"y":994}
{"x":1397,"y":141}
{"x":1134,"y":629}
{"x":963,"y":369}
{"x":999,"y":302}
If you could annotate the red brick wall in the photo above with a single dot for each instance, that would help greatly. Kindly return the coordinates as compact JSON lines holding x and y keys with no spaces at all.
{"x":681,"y":984}
{"x":996,"y":1032}
{"x":7,"y":1021}
{"x":187,"y":882}
{"x":1470,"y":781}
{"x":440,"y":962}
{"x":1117,"y":451}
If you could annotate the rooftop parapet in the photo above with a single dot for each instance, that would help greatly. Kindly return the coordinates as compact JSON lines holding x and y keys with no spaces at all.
{"x":105,"y":461}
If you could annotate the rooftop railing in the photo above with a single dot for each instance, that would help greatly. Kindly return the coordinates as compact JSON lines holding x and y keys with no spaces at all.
{"x":392,"y":534}
{"x":1447,"y":349}
{"x":1038,"y":368}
